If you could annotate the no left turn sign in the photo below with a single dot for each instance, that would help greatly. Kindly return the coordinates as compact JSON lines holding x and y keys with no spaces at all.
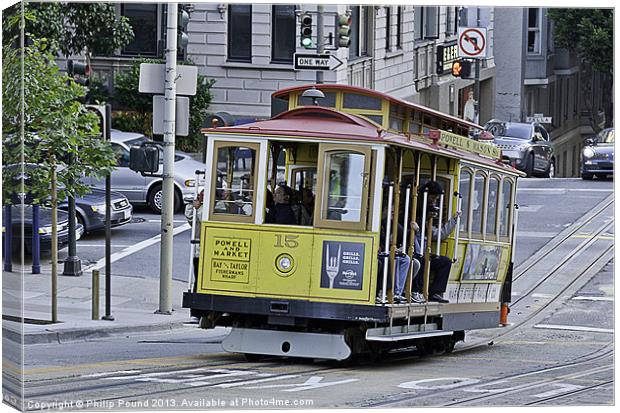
{"x":472,"y":42}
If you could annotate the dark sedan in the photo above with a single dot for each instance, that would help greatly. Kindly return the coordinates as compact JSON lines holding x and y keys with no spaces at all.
{"x":90,"y":210}
{"x":45,"y":228}
{"x":597,"y":157}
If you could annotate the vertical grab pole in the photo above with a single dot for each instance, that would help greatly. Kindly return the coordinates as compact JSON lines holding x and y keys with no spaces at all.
{"x":424,"y":201}
{"x":459,"y":203}
{"x":514,"y":233}
{"x":386,"y":247}
{"x":192,"y":246}
{"x":440,"y":226}
{"x":405,"y":227}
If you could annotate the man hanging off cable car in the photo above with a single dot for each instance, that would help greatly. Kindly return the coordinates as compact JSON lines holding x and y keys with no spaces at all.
{"x":439,"y":265}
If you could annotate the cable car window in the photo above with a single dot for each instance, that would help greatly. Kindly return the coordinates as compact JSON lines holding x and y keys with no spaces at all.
{"x":345,"y":186}
{"x":504,"y":208}
{"x":329,"y":101}
{"x":477,"y":203}
{"x":358,"y":101}
{"x":464,"y":187}
{"x":378,"y":119}
{"x":492,"y":205}
{"x":232,"y":195}
{"x":342,"y":196}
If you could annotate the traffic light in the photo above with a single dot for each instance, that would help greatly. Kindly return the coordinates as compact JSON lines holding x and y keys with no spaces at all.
{"x":82,"y":70}
{"x":306,"y":31}
{"x":461,"y":68}
{"x":182,"y":22}
{"x":344,"y":30}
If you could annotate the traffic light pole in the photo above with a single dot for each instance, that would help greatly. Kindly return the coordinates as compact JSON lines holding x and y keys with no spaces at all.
{"x":167,"y":211}
{"x":319,"y":38}
{"x":477,"y":91}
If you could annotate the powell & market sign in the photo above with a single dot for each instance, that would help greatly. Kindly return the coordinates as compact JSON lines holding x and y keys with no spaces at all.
{"x":461,"y":142}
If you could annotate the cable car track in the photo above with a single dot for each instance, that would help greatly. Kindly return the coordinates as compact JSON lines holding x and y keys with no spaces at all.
{"x":562,"y":237}
{"x":601,"y":354}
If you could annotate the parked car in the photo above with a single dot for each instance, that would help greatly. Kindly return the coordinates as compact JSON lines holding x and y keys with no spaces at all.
{"x":525,"y":145}
{"x":45,"y":228}
{"x":90,"y":209}
{"x":144,"y":189}
{"x":597,"y":157}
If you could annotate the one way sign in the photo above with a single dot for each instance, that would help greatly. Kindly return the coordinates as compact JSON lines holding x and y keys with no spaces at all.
{"x":316,"y":61}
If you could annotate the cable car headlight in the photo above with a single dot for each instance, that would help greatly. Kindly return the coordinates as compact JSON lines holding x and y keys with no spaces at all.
{"x":284,"y":263}
{"x":588,"y":153}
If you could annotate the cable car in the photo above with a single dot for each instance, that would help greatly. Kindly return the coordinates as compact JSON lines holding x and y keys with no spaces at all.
{"x":315,"y":280}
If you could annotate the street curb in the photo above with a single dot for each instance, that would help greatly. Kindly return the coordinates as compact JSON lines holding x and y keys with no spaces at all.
{"x":66,"y":336}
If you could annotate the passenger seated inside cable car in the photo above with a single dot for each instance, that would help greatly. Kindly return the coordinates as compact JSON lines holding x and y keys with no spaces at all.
{"x":285,"y":211}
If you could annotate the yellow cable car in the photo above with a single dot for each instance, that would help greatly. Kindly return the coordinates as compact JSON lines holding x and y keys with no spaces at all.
{"x":296,"y":206}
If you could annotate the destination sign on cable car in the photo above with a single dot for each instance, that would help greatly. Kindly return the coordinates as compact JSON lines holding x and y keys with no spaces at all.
{"x":466,"y":144}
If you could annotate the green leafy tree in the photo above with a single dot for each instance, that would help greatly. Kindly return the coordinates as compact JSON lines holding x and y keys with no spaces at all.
{"x":43,"y":123}
{"x":138,"y":107}
{"x":589,"y":32}
{"x":81,"y":28}
{"x":42,"y":119}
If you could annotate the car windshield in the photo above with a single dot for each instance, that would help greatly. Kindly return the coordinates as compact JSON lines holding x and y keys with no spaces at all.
{"x":143,"y":139}
{"x":605,"y":136}
{"x":515,"y":130}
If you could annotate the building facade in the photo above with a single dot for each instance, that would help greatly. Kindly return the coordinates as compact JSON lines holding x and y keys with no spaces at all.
{"x":533,"y":76}
{"x":402,"y":50}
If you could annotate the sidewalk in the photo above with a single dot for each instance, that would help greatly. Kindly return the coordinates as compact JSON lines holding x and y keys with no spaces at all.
{"x":134,"y":301}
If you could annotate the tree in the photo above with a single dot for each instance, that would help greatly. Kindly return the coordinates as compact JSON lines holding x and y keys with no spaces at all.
{"x":141,"y":104}
{"x":81,"y":28}
{"x":589,"y":32}
{"x":43,"y":123}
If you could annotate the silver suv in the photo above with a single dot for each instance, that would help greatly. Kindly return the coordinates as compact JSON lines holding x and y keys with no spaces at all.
{"x":525,"y":145}
{"x":147,"y":190}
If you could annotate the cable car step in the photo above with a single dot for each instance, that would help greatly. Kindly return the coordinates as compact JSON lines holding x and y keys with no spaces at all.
{"x":286,"y":343}
{"x":397,"y":333}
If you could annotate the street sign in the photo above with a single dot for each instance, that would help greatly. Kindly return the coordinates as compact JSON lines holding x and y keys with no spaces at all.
{"x":182,"y":116}
{"x":472,"y":42}
{"x":538,"y":118}
{"x":316,"y":61}
{"x":153,"y":75}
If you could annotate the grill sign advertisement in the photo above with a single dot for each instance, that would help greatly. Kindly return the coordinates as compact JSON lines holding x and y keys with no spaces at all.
{"x":230,"y":260}
{"x":342,"y":265}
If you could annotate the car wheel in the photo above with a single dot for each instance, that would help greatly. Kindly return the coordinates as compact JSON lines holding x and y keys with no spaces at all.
{"x":80,"y":220}
{"x":587,"y":177}
{"x":550,"y":173}
{"x":529,"y":165}
{"x":156,"y":199}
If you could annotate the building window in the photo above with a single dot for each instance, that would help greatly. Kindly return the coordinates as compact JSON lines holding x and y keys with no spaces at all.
{"x":418,"y":15}
{"x":283,"y":22}
{"x":426,"y":22}
{"x":533,"y":30}
{"x":240,"y":33}
{"x":361,"y":31}
{"x":451,"y":20}
{"x":399,"y":27}
{"x":143,"y":20}
{"x":388,"y":26}
{"x":393,"y":39}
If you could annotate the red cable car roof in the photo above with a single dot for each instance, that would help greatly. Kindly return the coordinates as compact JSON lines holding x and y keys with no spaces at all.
{"x":327,"y":123}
